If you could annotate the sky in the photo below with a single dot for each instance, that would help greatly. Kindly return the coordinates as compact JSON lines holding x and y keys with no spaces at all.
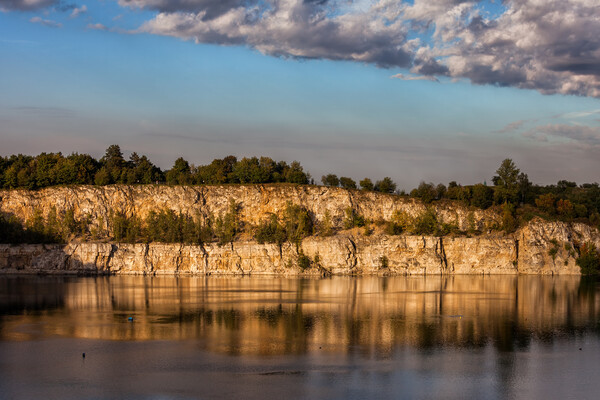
{"x":422,"y":90}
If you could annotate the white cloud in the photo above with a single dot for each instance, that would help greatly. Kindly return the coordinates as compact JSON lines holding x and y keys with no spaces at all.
{"x":552,"y":46}
{"x":97,"y":26}
{"x":77,"y":11}
{"x":45,"y":22}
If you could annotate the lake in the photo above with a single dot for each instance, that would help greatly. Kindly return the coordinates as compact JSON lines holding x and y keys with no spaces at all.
{"x":441,"y":337}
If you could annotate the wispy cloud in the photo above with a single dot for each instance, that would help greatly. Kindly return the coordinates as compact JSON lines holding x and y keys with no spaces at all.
{"x":46,"y":22}
{"x":588,"y":136}
{"x":96,"y":26}
{"x":44,"y":111}
{"x":77,"y":11}
{"x":579,"y":114}
{"x":513,"y":126}
{"x":415,"y":77}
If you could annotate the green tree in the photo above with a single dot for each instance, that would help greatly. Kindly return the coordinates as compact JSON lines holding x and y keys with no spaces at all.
{"x":482,"y":196}
{"x":295,"y":174}
{"x":114,"y":163}
{"x":545,"y":202}
{"x":366,"y":184}
{"x":426,"y":192}
{"x":347,"y":183}
{"x":386,"y":185}
{"x":506,"y":181}
{"x":330,"y":180}
{"x":180,"y":174}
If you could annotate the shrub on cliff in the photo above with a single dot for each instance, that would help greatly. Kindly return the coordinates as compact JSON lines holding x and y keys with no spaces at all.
{"x":297,"y":223}
{"x":304,"y":261}
{"x":426,"y":223}
{"x":325,"y":226}
{"x":270,"y":231}
{"x":353,"y":219}
{"x":589,"y":259}
{"x":229,"y":225}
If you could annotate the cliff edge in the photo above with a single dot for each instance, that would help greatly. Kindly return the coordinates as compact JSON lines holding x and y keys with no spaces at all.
{"x":540,"y":247}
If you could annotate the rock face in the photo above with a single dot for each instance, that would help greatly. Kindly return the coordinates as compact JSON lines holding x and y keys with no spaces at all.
{"x":527,"y":251}
{"x":255,"y":202}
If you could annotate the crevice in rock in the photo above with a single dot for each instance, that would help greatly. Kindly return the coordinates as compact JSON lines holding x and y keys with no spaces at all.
{"x":113,"y":250}
{"x":517,"y":253}
{"x":441,"y":254}
{"x":203,"y":249}
{"x":351,"y":259}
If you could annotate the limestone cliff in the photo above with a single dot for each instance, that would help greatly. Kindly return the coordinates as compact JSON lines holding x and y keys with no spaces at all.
{"x":527,"y":251}
{"x":255,"y":202}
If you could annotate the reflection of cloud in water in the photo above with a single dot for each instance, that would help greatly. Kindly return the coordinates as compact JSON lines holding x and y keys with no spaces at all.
{"x":296,"y":316}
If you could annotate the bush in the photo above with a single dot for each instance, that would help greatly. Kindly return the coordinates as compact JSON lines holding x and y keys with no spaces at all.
{"x":352,"y":219}
{"x":326,"y":225}
{"x":426,"y":223}
{"x":589,"y":259}
{"x":553,"y":252}
{"x":228,"y":226}
{"x":393,"y":228}
{"x":297,"y":223}
{"x":509,"y":223}
{"x":303,"y":261}
{"x":384,"y":262}
{"x":270,"y":232}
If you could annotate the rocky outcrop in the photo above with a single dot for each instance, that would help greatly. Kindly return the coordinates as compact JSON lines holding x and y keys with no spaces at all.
{"x":255,"y":202}
{"x":538,"y":248}
{"x":525,"y":252}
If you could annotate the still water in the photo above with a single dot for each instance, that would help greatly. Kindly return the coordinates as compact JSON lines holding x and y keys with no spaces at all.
{"x":479,"y":337}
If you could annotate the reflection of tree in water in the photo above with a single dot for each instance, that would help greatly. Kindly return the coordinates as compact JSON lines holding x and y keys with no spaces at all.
{"x":25,"y":294}
{"x":280,"y":316}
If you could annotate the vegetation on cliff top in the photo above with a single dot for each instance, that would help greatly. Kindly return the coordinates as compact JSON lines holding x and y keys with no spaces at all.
{"x":517,"y":198}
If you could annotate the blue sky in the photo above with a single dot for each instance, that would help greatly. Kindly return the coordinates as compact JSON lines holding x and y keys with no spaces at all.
{"x":435,"y":91}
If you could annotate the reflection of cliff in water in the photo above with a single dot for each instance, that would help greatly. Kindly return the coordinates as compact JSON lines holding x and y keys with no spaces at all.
{"x":279,"y":315}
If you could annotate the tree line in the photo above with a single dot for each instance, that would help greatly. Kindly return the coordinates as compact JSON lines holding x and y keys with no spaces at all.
{"x":519,"y":199}
{"x":51,"y":169}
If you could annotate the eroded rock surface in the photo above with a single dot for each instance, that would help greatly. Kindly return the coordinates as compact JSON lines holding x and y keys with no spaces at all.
{"x":526,"y":251}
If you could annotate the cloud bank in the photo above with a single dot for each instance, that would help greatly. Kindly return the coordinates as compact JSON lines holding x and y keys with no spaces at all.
{"x":552,"y":46}
{"x":25,"y":5}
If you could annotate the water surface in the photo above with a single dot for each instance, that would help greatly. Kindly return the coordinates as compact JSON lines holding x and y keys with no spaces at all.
{"x":342,"y":337}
